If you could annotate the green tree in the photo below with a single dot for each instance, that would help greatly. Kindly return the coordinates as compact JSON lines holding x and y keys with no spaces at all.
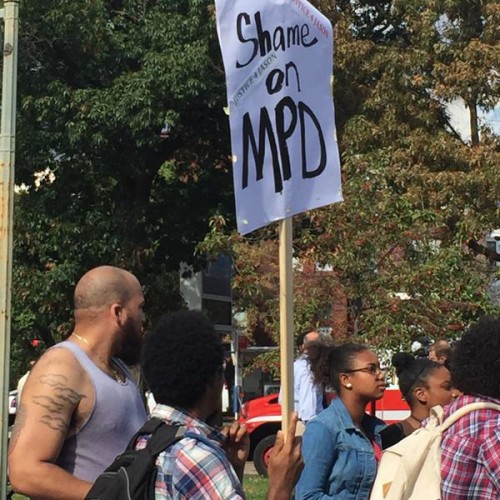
{"x":122,"y":101}
{"x":415,"y":191}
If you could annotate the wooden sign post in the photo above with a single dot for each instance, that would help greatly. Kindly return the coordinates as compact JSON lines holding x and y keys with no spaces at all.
{"x":286,"y":319}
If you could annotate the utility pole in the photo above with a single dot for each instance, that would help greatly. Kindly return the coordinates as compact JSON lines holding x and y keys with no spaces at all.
{"x":10,"y":15}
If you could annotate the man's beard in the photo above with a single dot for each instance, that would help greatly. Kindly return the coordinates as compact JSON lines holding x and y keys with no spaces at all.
{"x":130,"y":351}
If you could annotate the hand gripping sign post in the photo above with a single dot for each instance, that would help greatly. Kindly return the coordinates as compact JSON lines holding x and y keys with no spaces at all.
{"x":278,"y":59}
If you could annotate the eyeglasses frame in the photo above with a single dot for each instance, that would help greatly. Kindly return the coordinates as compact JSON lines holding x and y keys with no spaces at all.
{"x":371,"y":370}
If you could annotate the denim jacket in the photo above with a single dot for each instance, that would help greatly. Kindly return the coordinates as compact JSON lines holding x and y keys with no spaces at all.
{"x":339,"y":462}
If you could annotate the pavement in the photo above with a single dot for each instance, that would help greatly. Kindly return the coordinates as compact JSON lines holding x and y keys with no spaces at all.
{"x":250,"y":469}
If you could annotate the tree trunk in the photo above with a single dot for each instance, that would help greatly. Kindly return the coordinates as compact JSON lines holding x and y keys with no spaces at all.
{"x":474,"y":126}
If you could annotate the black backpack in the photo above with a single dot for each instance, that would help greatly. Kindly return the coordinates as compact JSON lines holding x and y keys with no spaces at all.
{"x":132,"y":475}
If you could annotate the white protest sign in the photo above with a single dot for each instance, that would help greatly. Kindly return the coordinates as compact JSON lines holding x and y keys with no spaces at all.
{"x":278,"y":57}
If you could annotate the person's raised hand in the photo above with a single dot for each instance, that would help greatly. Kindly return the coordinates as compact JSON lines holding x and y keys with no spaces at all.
{"x":237,"y":446}
{"x":285,"y":463}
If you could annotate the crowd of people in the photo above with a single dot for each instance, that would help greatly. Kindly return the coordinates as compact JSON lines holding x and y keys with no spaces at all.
{"x":81,"y":405}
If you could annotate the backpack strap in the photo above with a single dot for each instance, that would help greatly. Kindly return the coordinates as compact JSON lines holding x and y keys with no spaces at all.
{"x":165,"y":436}
{"x":465,"y":410}
{"x":436,"y":417}
{"x":162,"y":435}
{"x":148,"y":428}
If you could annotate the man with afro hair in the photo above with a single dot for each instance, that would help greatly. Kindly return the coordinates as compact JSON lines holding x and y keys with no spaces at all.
{"x":182,"y":363}
{"x":470,"y":461}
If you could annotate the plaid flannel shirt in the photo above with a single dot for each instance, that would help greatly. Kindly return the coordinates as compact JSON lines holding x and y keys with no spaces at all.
{"x":470,"y":460}
{"x":191,"y":468}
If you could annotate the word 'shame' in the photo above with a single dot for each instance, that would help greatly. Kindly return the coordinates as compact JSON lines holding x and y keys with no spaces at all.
{"x":264,"y":42}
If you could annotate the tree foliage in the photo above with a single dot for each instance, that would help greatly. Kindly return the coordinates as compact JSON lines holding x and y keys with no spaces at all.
{"x":122,"y":101}
{"x":414,"y":189}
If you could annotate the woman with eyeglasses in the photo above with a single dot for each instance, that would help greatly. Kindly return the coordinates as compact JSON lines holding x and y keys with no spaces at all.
{"x":342,"y":445}
{"x":423,"y":384}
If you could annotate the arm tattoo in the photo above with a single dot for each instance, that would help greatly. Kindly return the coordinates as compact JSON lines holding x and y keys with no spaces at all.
{"x":61,"y":399}
{"x":57,"y":424}
{"x":49,"y":403}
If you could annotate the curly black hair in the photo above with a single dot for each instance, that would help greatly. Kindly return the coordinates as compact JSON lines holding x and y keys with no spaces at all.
{"x":180,"y":358}
{"x":475,"y":360}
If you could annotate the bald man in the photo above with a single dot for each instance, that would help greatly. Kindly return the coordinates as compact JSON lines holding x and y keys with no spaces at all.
{"x":80,"y":405}
{"x":440,"y":351}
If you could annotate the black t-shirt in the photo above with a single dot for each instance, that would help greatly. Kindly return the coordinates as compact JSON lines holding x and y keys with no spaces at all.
{"x":392,"y":434}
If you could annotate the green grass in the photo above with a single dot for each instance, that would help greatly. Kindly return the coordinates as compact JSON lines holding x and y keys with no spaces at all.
{"x":255,"y":487}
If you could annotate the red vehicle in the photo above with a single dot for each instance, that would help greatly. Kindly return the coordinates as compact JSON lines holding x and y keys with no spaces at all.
{"x":262,"y":418}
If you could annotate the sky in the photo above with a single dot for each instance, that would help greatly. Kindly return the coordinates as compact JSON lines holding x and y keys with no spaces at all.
{"x":459,"y":116}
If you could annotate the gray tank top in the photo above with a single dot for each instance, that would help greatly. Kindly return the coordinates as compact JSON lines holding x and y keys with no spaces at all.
{"x":117,"y":415}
